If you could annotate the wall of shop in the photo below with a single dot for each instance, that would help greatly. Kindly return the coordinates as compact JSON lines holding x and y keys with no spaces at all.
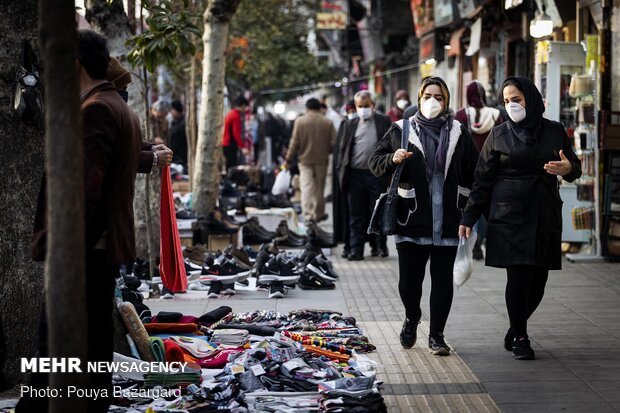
{"x":615,"y":57}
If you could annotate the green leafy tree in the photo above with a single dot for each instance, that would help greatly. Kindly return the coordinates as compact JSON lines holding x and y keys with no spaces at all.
{"x":267,"y":46}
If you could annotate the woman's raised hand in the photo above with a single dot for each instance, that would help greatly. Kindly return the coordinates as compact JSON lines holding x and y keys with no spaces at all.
{"x":400,"y":156}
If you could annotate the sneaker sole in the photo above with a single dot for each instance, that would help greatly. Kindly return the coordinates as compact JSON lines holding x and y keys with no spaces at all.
{"x":277,"y":294}
{"x":440,"y":352}
{"x":213,"y":295}
{"x":242,"y":276}
{"x":525,"y":357}
{"x":229,"y":292}
{"x":321,"y":274}
{"x":268,"y":278}
{"x":222,"y":278}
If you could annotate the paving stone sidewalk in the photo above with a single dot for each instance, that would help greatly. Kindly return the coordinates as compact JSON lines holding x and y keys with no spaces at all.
{"x":576,"y":335}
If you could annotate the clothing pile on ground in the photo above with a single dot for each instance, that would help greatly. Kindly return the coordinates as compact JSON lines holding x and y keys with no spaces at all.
{"x":305,"y":361}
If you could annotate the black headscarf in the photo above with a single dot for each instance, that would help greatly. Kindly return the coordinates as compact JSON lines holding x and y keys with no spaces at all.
{"x":527,"y":129}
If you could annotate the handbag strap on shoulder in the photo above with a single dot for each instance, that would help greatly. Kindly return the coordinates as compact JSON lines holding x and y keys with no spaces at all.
{"x":404,"y":144}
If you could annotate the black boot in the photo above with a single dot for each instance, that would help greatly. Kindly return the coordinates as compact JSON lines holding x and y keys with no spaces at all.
{"x":409,"y":333}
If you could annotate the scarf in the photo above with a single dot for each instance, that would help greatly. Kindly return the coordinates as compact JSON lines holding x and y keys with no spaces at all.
{"x":434,"y":135}
{"x":529,"y":128}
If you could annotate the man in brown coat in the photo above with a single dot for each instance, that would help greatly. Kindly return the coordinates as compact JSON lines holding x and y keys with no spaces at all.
{"x":111,"y":148}
{"x":313,"y":139}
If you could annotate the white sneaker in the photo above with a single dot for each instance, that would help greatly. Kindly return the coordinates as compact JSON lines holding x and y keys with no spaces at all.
{"x":167,"y":296}
{"x":197,"y":287}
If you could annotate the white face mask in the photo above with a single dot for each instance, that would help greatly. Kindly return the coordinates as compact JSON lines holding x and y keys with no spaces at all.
{"x":364,"y":113}
{"x":402,"y":104}
{"x":431,"y":108}
{"x":515,"y":111}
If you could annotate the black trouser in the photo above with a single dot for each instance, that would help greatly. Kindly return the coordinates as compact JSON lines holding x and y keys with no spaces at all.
{"x":363,"y":189}
{"x":99,"y":300}
{"x":412,"y":259}
{"x":525,"y":288}
{"x":231,"y":155}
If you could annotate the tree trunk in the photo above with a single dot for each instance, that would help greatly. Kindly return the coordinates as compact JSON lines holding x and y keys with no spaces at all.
{"x":131,"y":15}
{"x":191,"y":119}
{"x":111,"y":20}
{"x":206,"y":174}
{"x":21,"y":166}
{"x":65,"y":263}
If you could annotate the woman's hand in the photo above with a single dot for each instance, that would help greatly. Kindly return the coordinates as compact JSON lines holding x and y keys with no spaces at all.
{"x":464,"y":232}
{"x":400,"y":156}
{"x":562,"y":167}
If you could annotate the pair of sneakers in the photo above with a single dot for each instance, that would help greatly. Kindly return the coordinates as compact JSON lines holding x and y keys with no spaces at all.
{"x":520,"y":347}
{"x":436,"y":342}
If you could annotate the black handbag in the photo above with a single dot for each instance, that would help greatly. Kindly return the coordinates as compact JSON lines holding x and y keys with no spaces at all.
{"x":383,"y":219}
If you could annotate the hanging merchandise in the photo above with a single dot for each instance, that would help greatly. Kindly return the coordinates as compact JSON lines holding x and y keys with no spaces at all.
{"x":585,"y":190}
{"x":172,"y":266}
{"x":583,"y":218}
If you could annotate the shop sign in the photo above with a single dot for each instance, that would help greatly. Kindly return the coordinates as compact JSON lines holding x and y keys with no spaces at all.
{"x":422,"y":11}
{"x":427,"y":47}
{"x":444,"y":12}
{"x":331,"y":21}
{"x":542,"y":52}
{"x":466,"y":7}
{"x":511,"y":4}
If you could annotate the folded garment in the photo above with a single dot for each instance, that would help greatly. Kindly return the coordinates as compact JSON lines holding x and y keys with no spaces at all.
{"x":168,"y":317}
{"x":132,"y":374}
{"x":217,"y":360}
{"x":172,"y":351}
{"x":158,"y":349}
{"x":197,"y":348}
{"x":251,"y":328}
{"x":214,"y":316}
{"x":232,"y":337}
{"x":184,"y":319}
{"x":136,"y":330}
{"x":171,"y":328}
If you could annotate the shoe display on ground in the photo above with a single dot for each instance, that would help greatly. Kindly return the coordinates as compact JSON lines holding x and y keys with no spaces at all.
{"x":437,"y":345}
{"x":323,"y":268}
{"x":310,"y":281}
{"x":254,"y":233}
{"x":221,"y":273}
{"x":522,"y":350}
{"x":276,"y":290}
{"x":277,"y":270}
{"x":286,"y":237}
{"x":216,"y":224}
{"x":409,"y":333}
{"x":191,"y":268}
{"x":215,"y":289}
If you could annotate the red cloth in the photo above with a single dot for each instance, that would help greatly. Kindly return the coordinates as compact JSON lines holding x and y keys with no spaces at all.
{"x":233,"y":129}
{"x":171,"y":267}
{"x":173,"y":352}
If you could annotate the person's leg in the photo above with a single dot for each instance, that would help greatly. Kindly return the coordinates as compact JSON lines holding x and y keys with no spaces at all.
{"x":412,"y":259}
{"x":442,"y":265}
{"x":230,"y":154}
{"x":356,"y":197}
{"x":519,"y":279}
{"x":320,"y":176}
{"x":537,"y":289}
{"x":99,"y":301}
{"x":375,"y":189}
{"x":306,"y":183}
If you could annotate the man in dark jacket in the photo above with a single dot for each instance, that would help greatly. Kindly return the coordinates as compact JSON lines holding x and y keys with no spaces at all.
{"x":358,"y":139}
{"x":111,"y":149}
{"x":178,"y":138}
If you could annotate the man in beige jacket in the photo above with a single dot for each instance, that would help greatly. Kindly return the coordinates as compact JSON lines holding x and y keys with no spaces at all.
{"x":312,"y":142}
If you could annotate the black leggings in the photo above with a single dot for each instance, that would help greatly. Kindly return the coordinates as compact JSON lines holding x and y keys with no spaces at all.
{"x":525,"y":289}
{"x":412,"y":259}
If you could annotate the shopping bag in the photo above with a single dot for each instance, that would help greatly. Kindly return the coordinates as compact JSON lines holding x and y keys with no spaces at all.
{"x":464,"y":262}
{"x":282,"y":183}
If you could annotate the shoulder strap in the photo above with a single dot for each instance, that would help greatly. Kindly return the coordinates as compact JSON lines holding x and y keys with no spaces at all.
{"x":404,"y":144}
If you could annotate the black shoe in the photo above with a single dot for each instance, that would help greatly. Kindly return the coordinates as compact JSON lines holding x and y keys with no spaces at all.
{"x":276,"y":290}
{"x":508,"y":339}
{"x":409,"y":333}
{"x":310,"y":281}
{"x":384,"y":253}
{"x":477,"y":253}
{"x":345,"y":253}
{"x":374,"y":252}
{"x":438,"y":345}
{"x":215,"y":289}
{"x":323,"y":268}
{"x":356,"y":257}
{"x":521,"y":349}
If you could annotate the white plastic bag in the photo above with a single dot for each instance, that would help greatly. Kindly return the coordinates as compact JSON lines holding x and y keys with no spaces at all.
{"x":282,"y":183}
{"x":464,"y":262}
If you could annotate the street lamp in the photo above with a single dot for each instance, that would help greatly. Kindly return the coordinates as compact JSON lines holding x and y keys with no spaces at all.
{"x":542,"y":25}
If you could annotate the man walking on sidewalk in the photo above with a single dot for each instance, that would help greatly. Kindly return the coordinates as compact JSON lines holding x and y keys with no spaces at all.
{"x":360,"y":187}
{"x":312,"y":141}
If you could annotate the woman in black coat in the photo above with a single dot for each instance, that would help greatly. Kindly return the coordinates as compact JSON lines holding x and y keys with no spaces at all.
{"x":438,"y":169}
{"x":516,"y":185}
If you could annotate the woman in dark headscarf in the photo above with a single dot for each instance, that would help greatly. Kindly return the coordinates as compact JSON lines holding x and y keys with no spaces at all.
{"x":517,"y":186}
{"x":438,"y":169}
{"x":479,"y":119}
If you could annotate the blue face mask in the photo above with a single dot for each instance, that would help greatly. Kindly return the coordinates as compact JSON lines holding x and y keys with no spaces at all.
{"x":124,"y":94}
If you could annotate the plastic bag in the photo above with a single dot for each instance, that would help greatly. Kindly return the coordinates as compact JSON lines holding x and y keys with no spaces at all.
{"x":282,"y":183}
{"x":464,"y":262}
